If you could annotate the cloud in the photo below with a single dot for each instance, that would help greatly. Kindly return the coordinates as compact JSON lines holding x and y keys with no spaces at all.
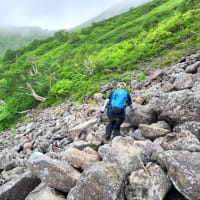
{"x":51,"y":14}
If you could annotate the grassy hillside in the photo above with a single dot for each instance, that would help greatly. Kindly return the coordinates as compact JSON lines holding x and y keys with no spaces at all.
{"x":73,"y":65}
{"x":16,"y":37}
{"x":114,"y":10}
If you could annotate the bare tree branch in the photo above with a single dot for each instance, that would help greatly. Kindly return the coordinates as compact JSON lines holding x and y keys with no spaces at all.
{"x":2,"y":101}
{"x":33,"y":93}
{"x":33,"y":70}
{"x":23,"y":112}
{"x":89,"y":70}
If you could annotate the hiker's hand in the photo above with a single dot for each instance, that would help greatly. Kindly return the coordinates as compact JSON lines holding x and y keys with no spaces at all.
{"x":134,"y":107}
{"x":102,"y":111}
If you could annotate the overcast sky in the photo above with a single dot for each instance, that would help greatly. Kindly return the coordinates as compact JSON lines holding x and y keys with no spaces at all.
{"x":51,"y":14}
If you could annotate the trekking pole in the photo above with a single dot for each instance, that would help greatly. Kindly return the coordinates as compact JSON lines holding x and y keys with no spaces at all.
{"x":100,"y":114}
{"x":99,"y":118}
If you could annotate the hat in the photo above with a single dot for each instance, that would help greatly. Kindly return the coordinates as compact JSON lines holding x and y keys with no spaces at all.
{"x":121,"y":84}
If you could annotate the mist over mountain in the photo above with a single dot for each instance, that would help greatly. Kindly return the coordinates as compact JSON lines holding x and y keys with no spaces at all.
{"x":115,"y":10}
{"x":24,"y":30}
{"x":14,"y":37}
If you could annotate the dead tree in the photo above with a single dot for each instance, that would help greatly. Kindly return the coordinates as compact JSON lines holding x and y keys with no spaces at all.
{"x":33,"y":93}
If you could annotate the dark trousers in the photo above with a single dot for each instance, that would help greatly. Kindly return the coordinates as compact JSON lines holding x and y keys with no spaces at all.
{"x":115,"y":121}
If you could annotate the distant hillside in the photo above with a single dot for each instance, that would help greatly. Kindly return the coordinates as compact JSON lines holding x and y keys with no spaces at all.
{"x":73,"y":66}
{"x":115,"y":10}
{"x":12,"y":37}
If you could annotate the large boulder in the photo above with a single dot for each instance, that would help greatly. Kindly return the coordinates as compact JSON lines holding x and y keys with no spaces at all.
{"x":184,"y":81}
{"x":148,"y":150}
{"x":123,"y":151}
{"x":184,"y":171}
{"x":43,"y":192}
{"x":192,"y":126}
{"x":143,"y":115}
{"x":76,"y":131}
{"x":78,"y":144}
{"x":152,"y":131}
{"x":19,"y":187}
{"x":149,"y":93}
{"x":193,"y":68}
{"x":78,"y":158}
{"x":149,"y":183}
{"x":177,"y":107}
{"x":179,"y":141}
{"x":9,"y":159}
{"x":55,"y":173}
{"x":100,"y":180}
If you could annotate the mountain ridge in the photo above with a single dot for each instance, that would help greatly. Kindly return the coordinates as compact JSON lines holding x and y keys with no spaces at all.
{"x":113,"y":11}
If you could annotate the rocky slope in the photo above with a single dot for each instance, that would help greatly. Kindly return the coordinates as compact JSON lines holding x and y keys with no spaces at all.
{"x":61,"y":154}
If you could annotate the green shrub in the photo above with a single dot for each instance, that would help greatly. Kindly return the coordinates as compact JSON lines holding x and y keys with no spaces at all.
{"x":62,"y":87}
{"x":141,"y":76}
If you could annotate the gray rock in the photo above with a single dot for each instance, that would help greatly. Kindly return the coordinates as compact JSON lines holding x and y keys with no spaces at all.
{"x":152,"y":131}
{"x":77,"y":130}
{"x":31,"y":126}
{"x":156,"y":75}
{"x":55,"y":173}
{"x":101,"y":180}
{"x":162,"y":124}
{"x":143,"y":115}
{"x":154,"y":90}
{"x":184,"y":81}
{"x":108,"y":86}
{"x":193,"y":68}
{"x":43,"y":192}
{"x":19,"y":187}
{"x":7,"y":176}
{"x":123,"y":151}
{"x":192,"y":126}
{"x":78,"y":158}
{"x":136,"y":134}
{"x":78,"y":144}
{"x":196,"y":88}
{"x":9,"y":159}
{"x":177,"y":107}
{"x":179,"y":141}
{"x":148,"y":150}
{"x":184,"y":171}
{"x":150,"y":182}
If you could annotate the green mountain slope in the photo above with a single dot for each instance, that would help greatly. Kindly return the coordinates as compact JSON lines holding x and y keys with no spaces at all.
{"x":114,"y":10}
{"x":73,"y":65}
{"x":16,"y":37}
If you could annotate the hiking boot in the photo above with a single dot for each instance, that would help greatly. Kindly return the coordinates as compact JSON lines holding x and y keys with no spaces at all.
{"x":105,"y":141}
{"x":107,"y":137}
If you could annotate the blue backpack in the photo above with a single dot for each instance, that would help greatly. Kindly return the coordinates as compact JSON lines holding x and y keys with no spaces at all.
{"x":118,"y":101}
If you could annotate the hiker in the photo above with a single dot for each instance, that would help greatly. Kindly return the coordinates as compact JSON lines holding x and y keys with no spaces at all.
{"x":116,"y":105}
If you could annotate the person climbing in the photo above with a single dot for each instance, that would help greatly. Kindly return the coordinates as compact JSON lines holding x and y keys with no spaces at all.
{"x":116,"y":106}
